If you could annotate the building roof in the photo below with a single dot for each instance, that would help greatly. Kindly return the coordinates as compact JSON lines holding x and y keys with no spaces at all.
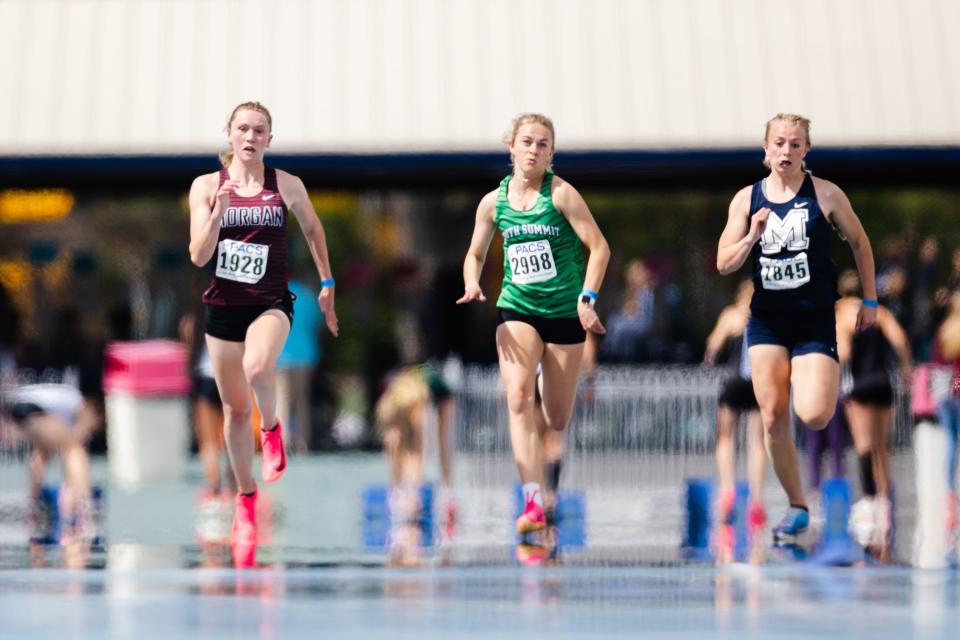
{"x":141,"y":77}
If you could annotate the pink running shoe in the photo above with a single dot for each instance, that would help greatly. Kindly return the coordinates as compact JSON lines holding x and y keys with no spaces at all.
{"x":756,"y":518}
{"x":245,"y":520}
{"x":532,"y":519}
{"x":450,"y":527}
{"x":274,"y":455}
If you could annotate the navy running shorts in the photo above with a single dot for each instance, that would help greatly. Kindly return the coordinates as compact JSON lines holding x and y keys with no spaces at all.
{"x":801,"y":331}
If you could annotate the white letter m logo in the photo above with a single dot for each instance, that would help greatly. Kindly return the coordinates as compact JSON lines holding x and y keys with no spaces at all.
{"x":788,"y":233}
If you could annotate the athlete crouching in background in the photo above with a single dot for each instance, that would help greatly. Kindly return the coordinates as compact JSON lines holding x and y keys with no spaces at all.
{"x":413,"y":396}
{"x":58,"y":422}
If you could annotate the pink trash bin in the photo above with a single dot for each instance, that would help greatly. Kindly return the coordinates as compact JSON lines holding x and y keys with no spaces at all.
{"x":146,"y":384}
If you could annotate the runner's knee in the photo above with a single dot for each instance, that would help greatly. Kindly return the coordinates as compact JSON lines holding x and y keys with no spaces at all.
{"x":259,"y":371}
{"x":519,"y":398}
{"x":236,"y":414}
{"x":816,"y":418}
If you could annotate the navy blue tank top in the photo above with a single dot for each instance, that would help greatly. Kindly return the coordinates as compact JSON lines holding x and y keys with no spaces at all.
{"x":792,"y":268}
{"x":250,"y":264}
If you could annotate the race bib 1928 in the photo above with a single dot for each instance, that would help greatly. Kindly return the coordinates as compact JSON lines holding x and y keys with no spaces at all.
{"x":531,"y":262}
{"x":241,"y":261}
{"x":787,"y":273}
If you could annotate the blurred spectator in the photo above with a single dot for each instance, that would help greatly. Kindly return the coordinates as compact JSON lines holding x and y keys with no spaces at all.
{"x":207,"y":406}
{"x":639,"y":330}
{"x":925,"y":316}
{"x":953,"y":280}
{"x":297,"y":365}
{"x":408,"y":299}
{"x":894,"y":294}
{"x":69,"y":356}
{"x":9,"y":333}
{"x":120,"y":322}
{"x":941,"y":298}
{"x":947,"y":350}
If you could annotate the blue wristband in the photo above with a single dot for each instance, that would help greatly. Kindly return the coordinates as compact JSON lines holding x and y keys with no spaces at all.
{"x":589,"y":293}
{"x":329,"y":282}
{"x":868,"y":302}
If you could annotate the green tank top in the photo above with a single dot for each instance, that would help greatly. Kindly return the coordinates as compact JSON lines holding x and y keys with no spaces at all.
{"x":542,"y":257}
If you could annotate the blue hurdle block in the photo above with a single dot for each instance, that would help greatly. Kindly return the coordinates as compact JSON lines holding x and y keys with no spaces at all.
{"x":571,"y":519}
{"x":376,"y":516}
{"x":696,"y":536}
{"x":376,"y":520}
{"x":426,"y":516}
{"x":836,"y":547}
{"x":701,"y":525}
{"x":742,"y":547}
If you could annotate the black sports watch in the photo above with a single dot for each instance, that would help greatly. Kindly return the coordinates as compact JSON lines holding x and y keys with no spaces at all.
{"x":588,"y":297}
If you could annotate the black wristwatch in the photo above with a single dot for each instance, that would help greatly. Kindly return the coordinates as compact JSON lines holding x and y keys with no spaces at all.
{"x":588,"y":297}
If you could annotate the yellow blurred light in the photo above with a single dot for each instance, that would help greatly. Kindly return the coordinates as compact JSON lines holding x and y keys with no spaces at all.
{"x":333,"y":203}
{"x":37,"y":205}
{"x":386,"y":238}
{"x":15,"y":275}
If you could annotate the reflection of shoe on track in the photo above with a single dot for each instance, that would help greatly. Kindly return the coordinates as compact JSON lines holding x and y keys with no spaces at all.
{"x":532,"y":519}
{"x":244,"y":529}
{"x":724,"y":543}
{"x":274,"y":455}
{"x":869,"y":521}
{"x":531,"y":555}
{"x":793,"y":525}
{"x":244,"y":555}
{"x":756,"y":519}
{"x":792,"y":552}
{"x":950,"y":521}
{"x":450,"y":519}
{"x":213,"y":517}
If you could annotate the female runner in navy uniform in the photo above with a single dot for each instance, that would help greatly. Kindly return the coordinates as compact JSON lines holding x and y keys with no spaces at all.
{"x":783,"y":222}
{"x":238,"y":217}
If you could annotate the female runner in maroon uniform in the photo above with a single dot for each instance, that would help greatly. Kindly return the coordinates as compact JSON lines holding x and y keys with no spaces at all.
{"x":238,"y":217}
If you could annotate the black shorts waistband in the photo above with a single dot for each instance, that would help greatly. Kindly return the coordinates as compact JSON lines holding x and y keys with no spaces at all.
{"x":551,"y":330}
{"x":231,"y":322}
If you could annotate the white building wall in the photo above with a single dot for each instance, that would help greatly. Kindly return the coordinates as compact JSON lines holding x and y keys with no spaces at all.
{"x":161,"y":76}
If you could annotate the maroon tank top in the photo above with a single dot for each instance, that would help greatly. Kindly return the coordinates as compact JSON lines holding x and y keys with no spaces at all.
{"x":250,"y":263}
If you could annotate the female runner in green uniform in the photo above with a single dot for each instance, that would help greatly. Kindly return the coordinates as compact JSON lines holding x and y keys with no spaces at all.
{"x":547,"y":301}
